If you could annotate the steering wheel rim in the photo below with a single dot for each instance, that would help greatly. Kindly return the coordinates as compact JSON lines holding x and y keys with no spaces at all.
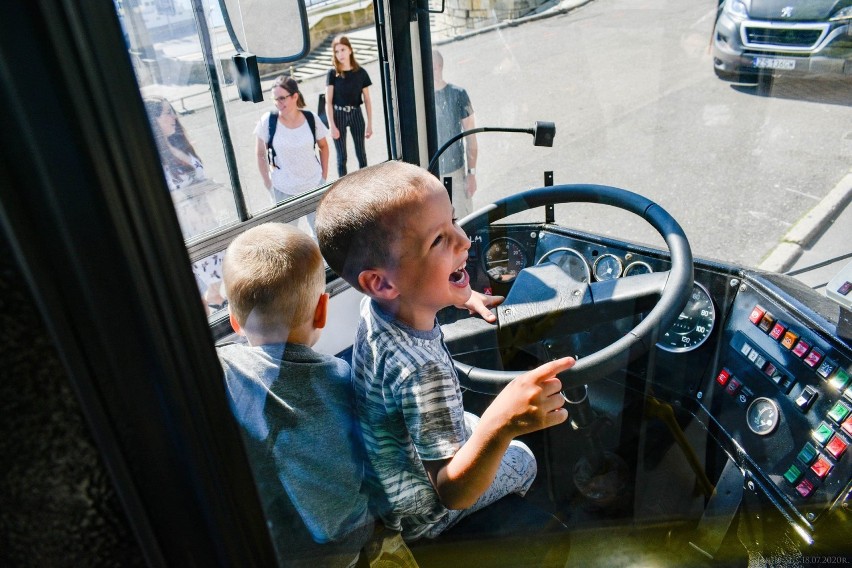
{"x":674,"y":294}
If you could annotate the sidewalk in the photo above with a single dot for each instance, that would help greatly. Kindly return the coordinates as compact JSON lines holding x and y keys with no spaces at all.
{"x":824,"y":233}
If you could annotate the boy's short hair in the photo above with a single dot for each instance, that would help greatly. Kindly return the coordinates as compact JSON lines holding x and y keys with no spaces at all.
{"x":274,"y":275}
{"x":361,"y":217}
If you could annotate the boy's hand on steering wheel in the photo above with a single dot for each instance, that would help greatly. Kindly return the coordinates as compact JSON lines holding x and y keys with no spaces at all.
{"x":481,"y":304}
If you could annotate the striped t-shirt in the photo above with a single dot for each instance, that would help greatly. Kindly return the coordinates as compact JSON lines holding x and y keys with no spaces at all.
{"x":410,"y":407}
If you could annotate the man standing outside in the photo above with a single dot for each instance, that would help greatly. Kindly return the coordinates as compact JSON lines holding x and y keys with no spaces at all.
{"x":454,"y":115}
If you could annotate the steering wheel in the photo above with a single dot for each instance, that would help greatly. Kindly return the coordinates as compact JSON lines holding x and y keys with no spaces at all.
{"x":544,"y":293}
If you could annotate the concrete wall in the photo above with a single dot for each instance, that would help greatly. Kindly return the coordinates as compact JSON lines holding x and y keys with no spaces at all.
{"x":341,"y":19}
{"x":462,"y":16}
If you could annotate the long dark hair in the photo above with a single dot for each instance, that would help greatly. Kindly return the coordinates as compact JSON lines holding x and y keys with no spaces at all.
{"x":174,"y":165}
{"x":345,"y":41}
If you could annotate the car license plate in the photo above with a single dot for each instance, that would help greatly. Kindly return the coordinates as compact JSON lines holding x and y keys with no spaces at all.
{"x":773,"y":63}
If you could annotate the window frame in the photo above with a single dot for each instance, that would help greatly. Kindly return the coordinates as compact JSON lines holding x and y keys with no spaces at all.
{"x":109,"y":270}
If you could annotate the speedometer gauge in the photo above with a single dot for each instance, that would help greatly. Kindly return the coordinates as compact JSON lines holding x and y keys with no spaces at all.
{"x":693,"y":325}
{"x":570,"y":261}
{"x":503,"y":259}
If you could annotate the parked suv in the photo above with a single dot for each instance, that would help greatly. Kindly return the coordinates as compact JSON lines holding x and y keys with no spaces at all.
{"x":754,"y":38}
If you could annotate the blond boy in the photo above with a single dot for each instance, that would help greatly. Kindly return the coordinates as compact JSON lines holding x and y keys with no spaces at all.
{"x":389,"y":231}
{"x":294,"y":404}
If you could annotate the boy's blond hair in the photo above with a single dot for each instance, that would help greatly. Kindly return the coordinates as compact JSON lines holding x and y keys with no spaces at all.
{"x":274,"y":275}
{"x":361,"y":217}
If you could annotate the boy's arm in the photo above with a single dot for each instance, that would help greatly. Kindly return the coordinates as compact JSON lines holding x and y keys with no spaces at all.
{"x":531,"y":402}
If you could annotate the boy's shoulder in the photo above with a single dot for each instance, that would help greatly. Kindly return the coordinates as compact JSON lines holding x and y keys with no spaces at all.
{"x":389,"y":335}
{"x":385,"y":345}
{"x":264,"y":362}
{"x":380,"y":320}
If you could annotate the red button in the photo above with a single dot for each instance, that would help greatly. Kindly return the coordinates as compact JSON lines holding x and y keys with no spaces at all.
{"x":821,"y":467}
{"x":801,"y":348}
{"x":756,"y":315}
{"x":723,"y":376}
{"x":813,"y":358}
{"x":777,"y":331}
{"x":847,"y":426}
{"x":805,"y":488}
{"x":836,"y":447}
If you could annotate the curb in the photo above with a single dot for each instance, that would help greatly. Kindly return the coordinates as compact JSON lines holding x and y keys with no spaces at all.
{"x":809,"y":228}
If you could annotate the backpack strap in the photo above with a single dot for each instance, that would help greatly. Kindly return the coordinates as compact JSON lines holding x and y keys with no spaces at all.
{"x":270,"y":151}
{"x":309,"y":116}
{"x":273,"y":124}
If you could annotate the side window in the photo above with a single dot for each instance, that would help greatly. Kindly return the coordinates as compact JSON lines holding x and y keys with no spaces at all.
{"x":218,"y":162}
{"x":165,"y":46}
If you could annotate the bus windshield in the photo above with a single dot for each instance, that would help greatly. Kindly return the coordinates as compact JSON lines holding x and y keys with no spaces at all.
{"x":667,"y":331}
{"x":638,"y":95}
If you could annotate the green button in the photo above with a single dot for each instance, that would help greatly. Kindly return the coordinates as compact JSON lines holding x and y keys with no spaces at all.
{"x":823,"y":433}
{"x":808,"y":454}
{"x":839,"y":412}
{"x":839,"y":380}
{"x":793,"y":475}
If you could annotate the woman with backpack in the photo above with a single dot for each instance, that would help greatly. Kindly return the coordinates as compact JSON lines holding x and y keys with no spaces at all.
{"x":286,"y":144}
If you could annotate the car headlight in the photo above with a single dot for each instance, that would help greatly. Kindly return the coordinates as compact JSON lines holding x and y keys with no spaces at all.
{"x":736,"y":9}
{"x":844,"y":14}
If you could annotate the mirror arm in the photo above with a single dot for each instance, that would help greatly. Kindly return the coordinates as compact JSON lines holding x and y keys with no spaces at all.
{"x":543,"y":133}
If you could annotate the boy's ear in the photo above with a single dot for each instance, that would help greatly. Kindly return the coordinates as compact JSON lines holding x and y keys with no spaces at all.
{"x":321,"y":312}
{"x":235,"y":325}
{"x":376,"y":284}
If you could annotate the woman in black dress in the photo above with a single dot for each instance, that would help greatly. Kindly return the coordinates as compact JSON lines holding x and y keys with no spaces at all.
{"x":347,"y":87}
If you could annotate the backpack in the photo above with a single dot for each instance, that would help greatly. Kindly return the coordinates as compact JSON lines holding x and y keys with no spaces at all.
{"x":273,"y":124}
{"x":321,"y":110}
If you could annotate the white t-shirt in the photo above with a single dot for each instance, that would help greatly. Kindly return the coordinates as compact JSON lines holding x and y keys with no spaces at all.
{"x":299,"y":169}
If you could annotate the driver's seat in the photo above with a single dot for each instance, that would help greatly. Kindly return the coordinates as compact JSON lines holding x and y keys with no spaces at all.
{"x":509,"y":533}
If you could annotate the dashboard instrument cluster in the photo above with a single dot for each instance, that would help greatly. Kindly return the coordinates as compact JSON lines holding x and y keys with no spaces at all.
{"x":497,"y":258}
{"x":503,"y":257}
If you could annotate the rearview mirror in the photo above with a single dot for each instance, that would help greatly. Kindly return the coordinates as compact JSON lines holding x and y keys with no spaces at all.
{"x":275,"y":31}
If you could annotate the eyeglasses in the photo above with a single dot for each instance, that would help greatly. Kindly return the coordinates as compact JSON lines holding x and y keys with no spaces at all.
{"x":284,"y":98}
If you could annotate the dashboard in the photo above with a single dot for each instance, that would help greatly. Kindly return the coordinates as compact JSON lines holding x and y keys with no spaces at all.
{"x":749,"y":354}
{"x":781,"y":392}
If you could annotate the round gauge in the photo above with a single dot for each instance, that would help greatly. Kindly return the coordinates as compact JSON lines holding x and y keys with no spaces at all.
{"x":570,"y":261}
{"x":607,"y":267}
{"x":503,"y":259}
{"x":762,"y":416}
{"x":638,"y":267}
{"x":693,"y":325}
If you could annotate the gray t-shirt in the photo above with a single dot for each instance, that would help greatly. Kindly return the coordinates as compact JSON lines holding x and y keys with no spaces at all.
{"x":452,"y":105}
{"x":295,"y":409}
{"x":410,"y":407}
